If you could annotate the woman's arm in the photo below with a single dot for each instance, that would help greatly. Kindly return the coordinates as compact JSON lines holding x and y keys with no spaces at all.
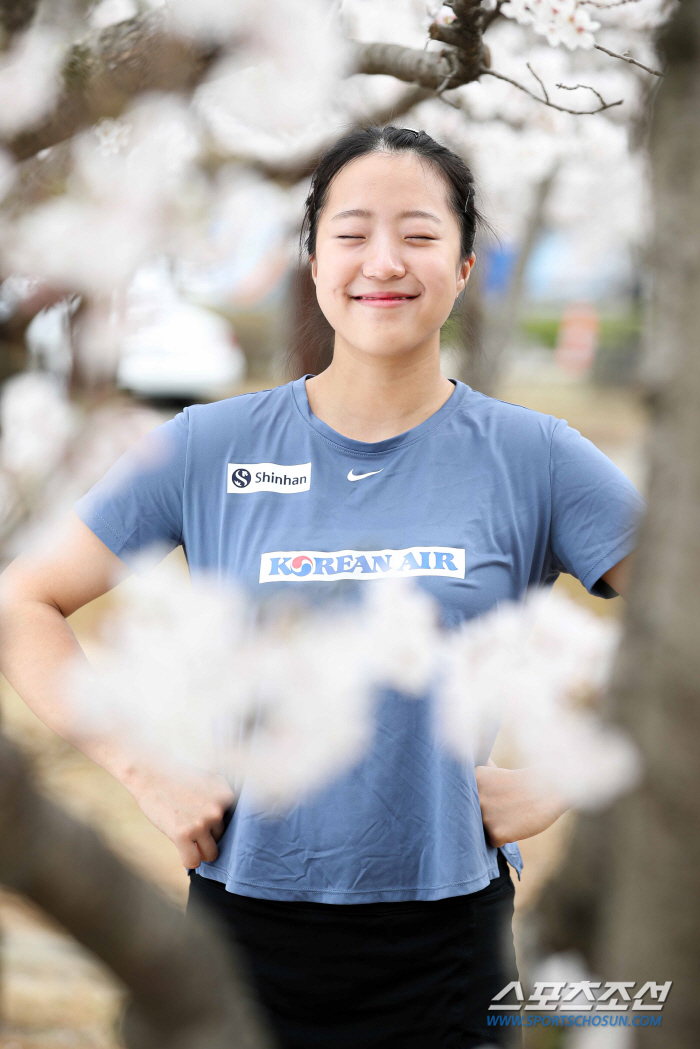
{"x":618,"y":577}
{"x":37,"y":593}
{"x":515,"y":803}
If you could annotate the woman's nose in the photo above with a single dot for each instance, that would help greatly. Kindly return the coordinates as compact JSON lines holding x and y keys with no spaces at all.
{"x":383,"y":261}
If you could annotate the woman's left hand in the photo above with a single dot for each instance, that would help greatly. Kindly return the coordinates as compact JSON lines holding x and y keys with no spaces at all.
{"x":515,"y":803}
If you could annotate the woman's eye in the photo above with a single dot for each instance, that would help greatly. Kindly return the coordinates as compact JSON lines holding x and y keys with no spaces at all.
{"x":350,"y":236}
{"x":419,"y":236}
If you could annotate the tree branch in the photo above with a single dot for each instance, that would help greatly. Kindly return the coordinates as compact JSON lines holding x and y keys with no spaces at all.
{"x":546,"y":101}
{"x":428,"y":69}
{"x":624,"y":57}
{"x":107,"y":69}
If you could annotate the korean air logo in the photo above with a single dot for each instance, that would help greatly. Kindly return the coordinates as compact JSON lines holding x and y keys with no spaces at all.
{"x":240,"y":478}
{"x":316,"y":566}
{"x":302,"y":565}
{"x":248,"y":478}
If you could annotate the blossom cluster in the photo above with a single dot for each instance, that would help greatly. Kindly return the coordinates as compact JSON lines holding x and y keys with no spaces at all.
{"x":561,"y":21}
{"x":282,"y":699}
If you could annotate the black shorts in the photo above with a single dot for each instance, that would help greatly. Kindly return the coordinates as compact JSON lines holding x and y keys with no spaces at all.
{"x":414,"y":975}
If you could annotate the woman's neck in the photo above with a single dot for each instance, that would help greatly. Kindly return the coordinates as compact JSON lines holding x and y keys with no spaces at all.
{"x":369,"y":398}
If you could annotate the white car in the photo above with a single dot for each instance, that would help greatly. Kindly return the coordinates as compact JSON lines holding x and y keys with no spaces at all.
{"x":174,"y":350}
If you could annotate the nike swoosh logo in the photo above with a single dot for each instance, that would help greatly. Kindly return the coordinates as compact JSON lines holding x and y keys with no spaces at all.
{"x":358,"y":477}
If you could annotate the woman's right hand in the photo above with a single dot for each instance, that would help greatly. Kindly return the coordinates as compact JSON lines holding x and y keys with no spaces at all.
{"x":188,"y":808}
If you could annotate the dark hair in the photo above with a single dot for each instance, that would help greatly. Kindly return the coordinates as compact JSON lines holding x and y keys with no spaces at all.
{"x":362,"y":141}
{"x":311,"y":336}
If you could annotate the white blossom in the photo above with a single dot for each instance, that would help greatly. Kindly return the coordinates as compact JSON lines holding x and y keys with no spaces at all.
{"x":127,"y":193}
{"x":560,"y":21}
{"x":37,"y":422}
{"x":281,"y":77}
{"x":281,"y":700}
{"x":444,"y":16}
{"x":112,"y":12}
{"x":216,"y":20}
{"x":29,"y":79}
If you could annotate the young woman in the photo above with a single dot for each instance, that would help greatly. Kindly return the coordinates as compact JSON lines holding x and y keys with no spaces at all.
{"x":376,"y":913}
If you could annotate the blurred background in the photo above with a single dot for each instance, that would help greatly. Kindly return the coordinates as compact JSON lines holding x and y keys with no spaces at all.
{"x":150,"y":260}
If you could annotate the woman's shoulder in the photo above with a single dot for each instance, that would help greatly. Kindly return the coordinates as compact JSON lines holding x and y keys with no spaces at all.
{"x":241,"y":406}
{"x":506,"y":421}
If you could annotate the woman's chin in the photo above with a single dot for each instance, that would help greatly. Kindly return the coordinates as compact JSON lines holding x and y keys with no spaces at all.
{"x":388,"y":344}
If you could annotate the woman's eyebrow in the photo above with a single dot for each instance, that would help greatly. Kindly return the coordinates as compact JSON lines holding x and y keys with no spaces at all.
{"x":361,"y":213}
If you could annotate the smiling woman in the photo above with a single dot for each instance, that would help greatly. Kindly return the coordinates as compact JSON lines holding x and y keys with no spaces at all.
{"x":389,"y":235}
{"x":375,"y":913}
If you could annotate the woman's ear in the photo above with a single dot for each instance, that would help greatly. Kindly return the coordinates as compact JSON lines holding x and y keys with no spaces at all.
{"x":314,"y":267}
{"x":464,"y":271}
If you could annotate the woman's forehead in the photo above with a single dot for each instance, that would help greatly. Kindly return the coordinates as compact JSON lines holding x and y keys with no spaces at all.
{"x":398,"y":182}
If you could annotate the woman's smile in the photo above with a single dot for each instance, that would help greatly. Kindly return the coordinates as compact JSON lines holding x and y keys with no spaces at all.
{"x":384,"y":299}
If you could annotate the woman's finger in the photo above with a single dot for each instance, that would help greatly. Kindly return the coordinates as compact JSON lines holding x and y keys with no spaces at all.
{"x":207,"y":846}
{"x":190,"y":855}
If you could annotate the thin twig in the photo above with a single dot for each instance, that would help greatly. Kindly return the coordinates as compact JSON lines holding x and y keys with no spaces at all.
{"x":626,"y":58}
{"x":539,"y":81}
{"x":545,"y":101}
{"x":604,"y":7}
{"x":586,"y":87}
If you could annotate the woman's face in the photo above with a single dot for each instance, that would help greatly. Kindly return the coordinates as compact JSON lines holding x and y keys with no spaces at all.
{"x":387,"y":266}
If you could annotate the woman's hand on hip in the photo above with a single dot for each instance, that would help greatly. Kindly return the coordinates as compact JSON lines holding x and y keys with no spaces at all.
{"x":515,"y":803}
{"x":187,"y":807}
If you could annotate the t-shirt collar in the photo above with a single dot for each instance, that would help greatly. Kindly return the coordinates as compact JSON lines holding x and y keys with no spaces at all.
{"x":416,"y":433}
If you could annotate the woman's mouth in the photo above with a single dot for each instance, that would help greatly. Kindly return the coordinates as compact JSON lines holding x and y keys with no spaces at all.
{"x":384,"y":299}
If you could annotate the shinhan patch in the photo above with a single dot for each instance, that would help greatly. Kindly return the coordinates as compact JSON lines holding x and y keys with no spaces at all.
{"x":247,"y":478}
{"x":317,"y":566}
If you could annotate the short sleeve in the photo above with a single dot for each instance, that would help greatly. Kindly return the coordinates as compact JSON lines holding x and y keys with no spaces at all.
{"x":138,"y":504}
{"x":596,"y":510}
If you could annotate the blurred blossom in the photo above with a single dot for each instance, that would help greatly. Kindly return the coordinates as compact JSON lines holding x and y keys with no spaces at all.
{"x":29,"y":79}
{"x":80,"y":244}
{"x":111,"y":12}
{"x":282,"y":699}
{"x":283,"y":75}
{"x":37,"y":423}
{"x":14,"y":291}
{"x":185,"y":675}
{"x":391,"y":21}
{"x":402,"y":621}
{"x":444,"y":16}
{"x":112,"y":136}
{"x":540,"y":668}
{"x":560,"y":21}
{"x":216,"y":20}
{"x":60,"y":468}
{"x":124,"y":202}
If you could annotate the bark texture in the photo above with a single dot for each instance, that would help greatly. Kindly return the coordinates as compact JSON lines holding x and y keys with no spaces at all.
{"x":104,"y":72}
{"x":185,"y":991}
{"x":645,"y":923}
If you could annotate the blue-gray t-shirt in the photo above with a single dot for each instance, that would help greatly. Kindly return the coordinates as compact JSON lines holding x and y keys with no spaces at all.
{"x":480,"y":502}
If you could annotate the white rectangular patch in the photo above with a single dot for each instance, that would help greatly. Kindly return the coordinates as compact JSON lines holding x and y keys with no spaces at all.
{"x":317,"y":566}
{"x":247,"y":478}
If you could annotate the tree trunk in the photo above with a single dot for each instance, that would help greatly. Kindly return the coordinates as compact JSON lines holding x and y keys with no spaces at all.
{"x":503,"y":315}
{"x":648,"y":906}
{"x":185,"y":991}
